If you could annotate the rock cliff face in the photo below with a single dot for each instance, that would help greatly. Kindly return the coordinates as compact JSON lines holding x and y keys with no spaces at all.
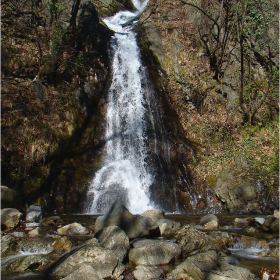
{"x":52,"y":125}
{"x":194,"y":48}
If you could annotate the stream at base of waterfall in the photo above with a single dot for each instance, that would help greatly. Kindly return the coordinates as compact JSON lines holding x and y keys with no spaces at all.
{"x":125,"y":175}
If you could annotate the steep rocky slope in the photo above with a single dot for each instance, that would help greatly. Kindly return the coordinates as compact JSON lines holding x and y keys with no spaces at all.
{"x":224,"y":91}
{"x":52,"y":125}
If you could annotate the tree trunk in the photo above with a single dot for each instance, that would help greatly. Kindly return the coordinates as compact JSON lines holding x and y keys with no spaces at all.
{"x":74,"y":12}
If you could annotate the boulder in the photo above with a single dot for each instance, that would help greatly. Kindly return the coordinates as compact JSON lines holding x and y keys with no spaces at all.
{"x":62,"y":243}
{"x":118,"y":215}
{"x":154,"y":214}
{"x":226,"y":270}
{"x":35,"y":245}
{"x":107,"y":8}
{"x":271,"y":224}
{"x":243,"y":241}
{"x":151,"y":226}
{"x":152,"y":252}
{"x":114,"y":239}
{"x":166,"y":231}
{"x":209,"y":221}
{"x":168,"y":228}
{"x":224,"y":239}
{"x":10,"y":198}
{"x":192,"y":241}
{"x":241,"y":222}
{"x":259,"y":220}
{"x":52,"y":221}
{"x":99,"y":262}
{"x":10,"y":217}
{"x":169,"y":222}
{"x":33,"y":213}
{"x":73,"y":229}
{"x":32,"y":262}
{"x":34,"y":232}
{"x":273,"y":249}
{"x":147,"y":272}
{"x":8,"y":245}
{"x":30,"y":226}
{"x":19,"y":234}
{"x":196,"y":267}
{"x":209,"y":265}
{"x":85,"y":271}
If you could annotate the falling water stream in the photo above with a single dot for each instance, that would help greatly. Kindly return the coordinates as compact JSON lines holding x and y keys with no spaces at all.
{"x":125,"y":175}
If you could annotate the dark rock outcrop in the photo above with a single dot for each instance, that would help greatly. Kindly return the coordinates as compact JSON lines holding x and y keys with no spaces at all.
{"x":10,"y":198}
{"x":119,"y":215}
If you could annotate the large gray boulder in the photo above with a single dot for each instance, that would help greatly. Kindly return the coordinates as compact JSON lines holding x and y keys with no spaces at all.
{"x":84,"y":272}
{"x":10,"y":217}
{"x":8,"y":245}
{"x":73,"y":229}
{"x":118,"y":215}
{"x":210,"y":265}
{"x":10,"y":198}
{"x":192,"y":241}
{"x":98,"y":261}
{"x":114,"y":239}
{"x":152,"y":252}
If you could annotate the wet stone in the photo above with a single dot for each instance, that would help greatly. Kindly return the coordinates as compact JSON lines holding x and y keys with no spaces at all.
{"x":19,"y":234}
{"x":10,"y":217}
{"x":32,"y":225}
{"x":38,"y":245}
{"x":23,"y":263}
{"x":114,"y":239}
{"x":8,"y":245}
{"x":147,"y":272}
{"x":62,"y":243}
{"x":73,"y":229}
{"x":209,"y":221}
{"x":33,"y":213}
{"x":34,"y":232}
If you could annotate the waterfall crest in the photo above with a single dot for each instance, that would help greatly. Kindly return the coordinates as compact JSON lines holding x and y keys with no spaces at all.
{"x":125,"y":175}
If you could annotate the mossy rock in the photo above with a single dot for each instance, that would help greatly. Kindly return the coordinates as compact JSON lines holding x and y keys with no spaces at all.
{"x":106,"y":8}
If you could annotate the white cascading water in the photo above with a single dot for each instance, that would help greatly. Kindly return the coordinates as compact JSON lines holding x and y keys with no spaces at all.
{"x":124,"y":175}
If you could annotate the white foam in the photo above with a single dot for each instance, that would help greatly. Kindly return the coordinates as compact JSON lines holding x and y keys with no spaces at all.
{"x":124,"y":175}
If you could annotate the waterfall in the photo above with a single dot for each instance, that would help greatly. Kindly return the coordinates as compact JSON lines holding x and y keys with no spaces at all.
{"x":125,"y":175}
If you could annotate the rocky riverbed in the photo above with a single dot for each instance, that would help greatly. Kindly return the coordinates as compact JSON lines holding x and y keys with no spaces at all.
{"x":120,"y":245}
